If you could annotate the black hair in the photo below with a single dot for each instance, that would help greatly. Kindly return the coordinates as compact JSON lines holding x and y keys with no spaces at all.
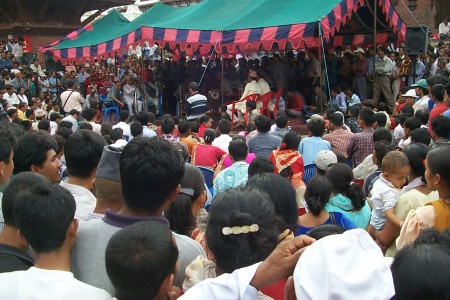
{"x":44,"y":125}
{"x":209,"y":136}
{"x":367,"y":116}
{"x":241,"y":207}
{"x":83,"y":151}
{"x":416,"y":154}
{"x":105,"y":128}
{"x":336,"y":119}
{"x":18,"y":184}
{"x":260,"y":165}
{"x":60,"y":142}
{"x":43,"y":215}
{"x":65,"y":124}
{"x":381,"y":148}
{"x":438,"y":162}
{"x":86,"y":126}
{"x":282,"y":195}
{"x":193,"y":86}
{"x":7,"y":143}
{"x":224,"y":126}
{"x":441,"y":126}
{"x":150,"y":170}
{"x":341,"y":179}
{"x":316,"y":127}
{"x":31,"y":149}
{"x":138,"y":258}
{"x":281,"y":121}
{"x":64,"y":132}
{"x":262,"y":123}
{"x":422,"y":115}
{"x":54,"y":116}
{"x":28,"y":113}
{"x":89,"y":113}
{"x":223,"y":107}
{"x":325,"y":230}
{"x":116,"y":134}
{"x":369,"y":103}
{"x":354,"y":110}
{"x":195,"y":126}
{"x":179,"y":213}
{"x":26,"y":124}
{"x":151,"y":117}
{"x":381,"y":119}
{"x":167,"y":126}
{"x":421,"y":135}
{"x":136,"y":129}
{"x":407,"y":109}
{"x":438,"y":91}
{"x":291,"y":140}
{"x":238,"y":150}
{"x":184,"y":126}
{"x":412,"y":123}
{"x":317,"y":194}
{"x":124,"y":115}
{"x":381,"y":106}
{"x":204,"y":119}
{"x":251,"y":104}
{"x":142,"y":117}
{"x":382,"y":134}
{"x":330,"y":110}
{"x":428,"y":256}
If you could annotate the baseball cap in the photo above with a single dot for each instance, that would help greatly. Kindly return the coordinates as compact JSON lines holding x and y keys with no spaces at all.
{"x":422,"y":83}
{"x":325,"y":158}
{"x":360,"y":50}
{"x":343,"y":266}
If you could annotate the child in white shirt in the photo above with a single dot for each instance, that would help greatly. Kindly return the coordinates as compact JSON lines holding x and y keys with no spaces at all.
{"x":395,"y":170}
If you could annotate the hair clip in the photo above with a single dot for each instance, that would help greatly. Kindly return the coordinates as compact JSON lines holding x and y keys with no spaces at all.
{"x":240,"y":229}
{"x":189,"y":192}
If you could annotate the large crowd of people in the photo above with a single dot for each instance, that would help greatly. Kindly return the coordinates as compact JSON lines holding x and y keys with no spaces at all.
{"x":190,"y":207}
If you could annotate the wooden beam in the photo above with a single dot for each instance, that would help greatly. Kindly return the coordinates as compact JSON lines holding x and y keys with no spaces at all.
{"x":92,"y":17}
{"x":19,"y":7}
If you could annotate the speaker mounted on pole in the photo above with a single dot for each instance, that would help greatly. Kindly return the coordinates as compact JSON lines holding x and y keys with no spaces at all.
{"x":416,"y":40}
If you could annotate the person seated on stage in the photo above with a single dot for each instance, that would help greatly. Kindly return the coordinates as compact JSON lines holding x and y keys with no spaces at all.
{"x":318,"y":102}
{"x":196,"y":105}
{"x":444,"y":29}
{"x":251,"y":88}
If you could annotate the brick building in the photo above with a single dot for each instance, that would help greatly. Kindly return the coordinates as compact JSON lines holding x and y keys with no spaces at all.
{"x":427,"y":12}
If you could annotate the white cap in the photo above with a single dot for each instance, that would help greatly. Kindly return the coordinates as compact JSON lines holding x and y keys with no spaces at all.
{"x":343,"y":266}
{"x":360,"y":50}
{"x":325,"y":158}
{"x":10,"y":37}
{"x":410,"y":93}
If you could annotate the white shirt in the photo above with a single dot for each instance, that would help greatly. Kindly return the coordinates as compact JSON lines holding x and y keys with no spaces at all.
{"x":227,"y":286}
{"x":399,"y":132}
{"x":37,"y":284}
{"x":11,"y":99}
{"x":124,"y":126}
{"x":84,"y":199}
{"x":223,"y":141}
{"x":384,"y":197}
{"x":96,"y":127}
{"x":264,"y":86}
{"x":445,"y":29}
{"x":422,"y":104}
{"x":73,"y":121}
{"x":53,"y":127}
{"x":148,"y":133}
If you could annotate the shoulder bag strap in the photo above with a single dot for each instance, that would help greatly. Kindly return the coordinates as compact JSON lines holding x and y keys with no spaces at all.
{"x":67,"y":100}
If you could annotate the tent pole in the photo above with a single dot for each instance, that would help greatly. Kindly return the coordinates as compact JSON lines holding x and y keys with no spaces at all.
{"x":221,"y":84}
{"x":374,"y":45}
{"x":320,"y":61}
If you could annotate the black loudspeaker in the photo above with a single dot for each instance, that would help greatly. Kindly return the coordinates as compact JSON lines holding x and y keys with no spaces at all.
{"x":416,"y":40}
{"x":50,"y":64}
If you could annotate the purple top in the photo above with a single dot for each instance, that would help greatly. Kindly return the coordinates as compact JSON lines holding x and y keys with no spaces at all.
{"x":227,"y":161}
